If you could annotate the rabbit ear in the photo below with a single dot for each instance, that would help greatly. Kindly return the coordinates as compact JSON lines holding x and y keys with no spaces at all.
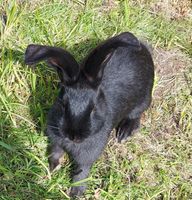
{"x":58,"y":58}
{"x":94,"y":64}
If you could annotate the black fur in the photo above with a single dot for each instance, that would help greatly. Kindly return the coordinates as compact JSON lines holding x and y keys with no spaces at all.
{"x":111,"y":89}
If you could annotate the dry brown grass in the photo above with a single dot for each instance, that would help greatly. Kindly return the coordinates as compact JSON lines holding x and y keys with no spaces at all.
{"x":173,"y":9}
{"x":170,"y":65}
{"x":170,"y":9}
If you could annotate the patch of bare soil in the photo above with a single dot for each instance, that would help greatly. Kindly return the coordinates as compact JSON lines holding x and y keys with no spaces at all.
{"x":171,"y":68}
{"x":173,"y":9}
{"x":168,"y":66}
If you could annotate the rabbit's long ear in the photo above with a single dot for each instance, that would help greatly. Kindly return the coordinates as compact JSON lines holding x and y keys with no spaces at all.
{"x":58,"y":58}
{"x":95,"y":62}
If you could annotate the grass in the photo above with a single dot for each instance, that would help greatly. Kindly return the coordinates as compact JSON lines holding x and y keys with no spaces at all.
{"x":156,"y":163}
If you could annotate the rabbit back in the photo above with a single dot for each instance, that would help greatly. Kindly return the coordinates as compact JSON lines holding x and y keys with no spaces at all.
{"x":127,"y":82}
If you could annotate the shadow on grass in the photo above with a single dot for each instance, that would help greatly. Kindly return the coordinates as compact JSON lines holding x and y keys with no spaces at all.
{"x":20,"y":169}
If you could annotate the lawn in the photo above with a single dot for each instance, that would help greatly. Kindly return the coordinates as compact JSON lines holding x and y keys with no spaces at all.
{"x":156,"y":163}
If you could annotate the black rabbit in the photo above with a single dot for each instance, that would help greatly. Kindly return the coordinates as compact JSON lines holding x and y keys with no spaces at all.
{"x":110,"y":89}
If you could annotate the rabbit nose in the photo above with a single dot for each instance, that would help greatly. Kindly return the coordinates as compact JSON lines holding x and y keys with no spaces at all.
{"x":78,"y":140}
{"x":75,"y":139}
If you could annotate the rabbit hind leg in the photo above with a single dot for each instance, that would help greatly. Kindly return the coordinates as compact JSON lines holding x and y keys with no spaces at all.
{"x":126,"y":128}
